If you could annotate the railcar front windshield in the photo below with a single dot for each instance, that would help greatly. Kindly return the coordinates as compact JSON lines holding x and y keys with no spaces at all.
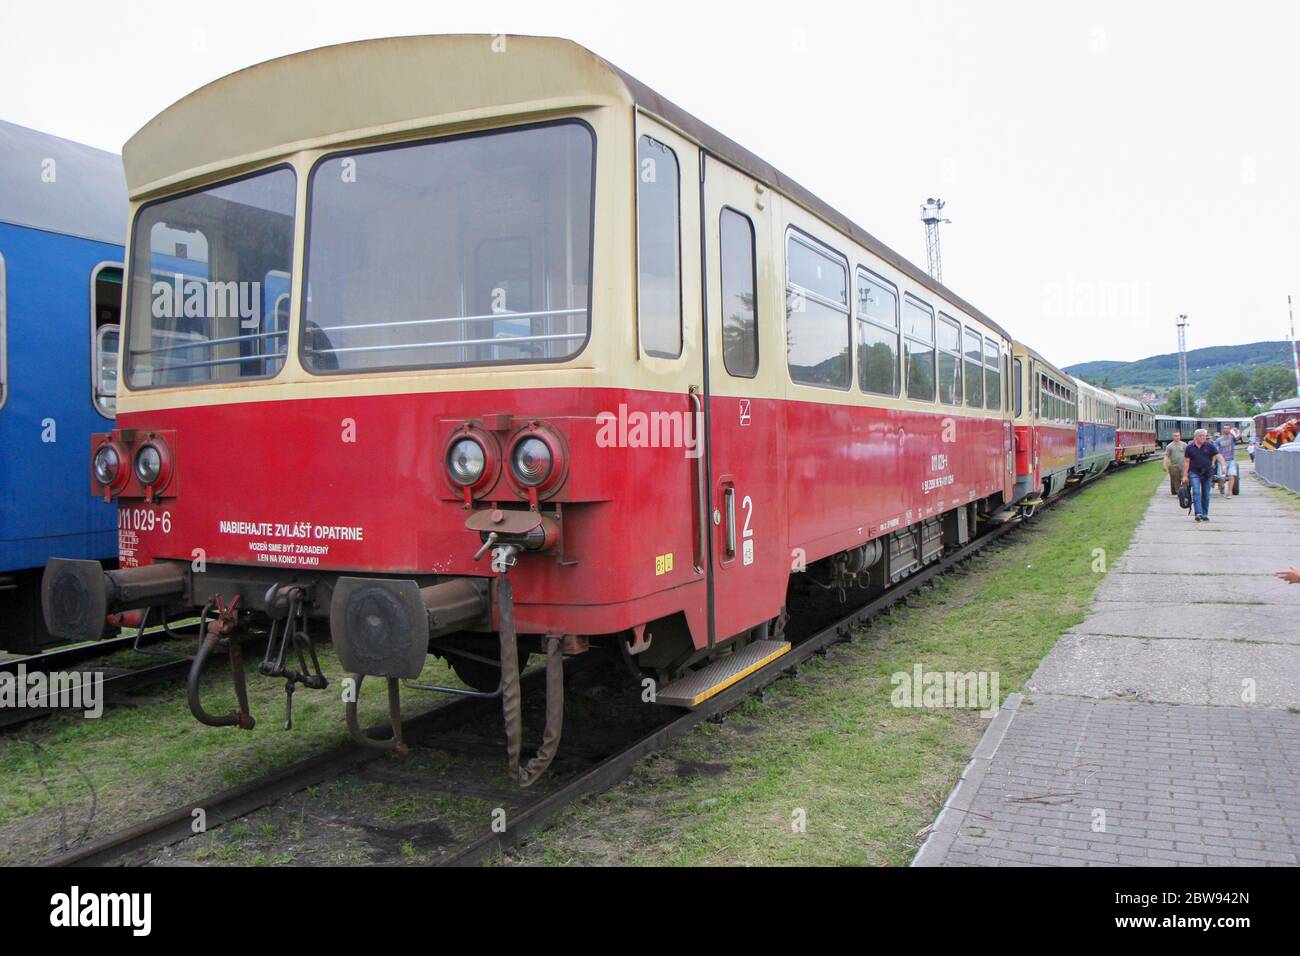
{"x":211,"y":274}
{"x":469,"y":251}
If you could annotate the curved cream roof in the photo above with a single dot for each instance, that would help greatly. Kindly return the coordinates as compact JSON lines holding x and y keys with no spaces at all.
{"x":388,"y":87}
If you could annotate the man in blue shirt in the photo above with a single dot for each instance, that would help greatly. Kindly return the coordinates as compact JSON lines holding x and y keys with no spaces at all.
{"x":1227,"y":444}
{"x":1202,"y":457}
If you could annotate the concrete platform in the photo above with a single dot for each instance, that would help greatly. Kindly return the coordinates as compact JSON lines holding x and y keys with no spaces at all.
{"x":1165,"y":728}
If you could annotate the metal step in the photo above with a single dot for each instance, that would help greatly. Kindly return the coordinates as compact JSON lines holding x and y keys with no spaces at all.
{"x":697,"y":687}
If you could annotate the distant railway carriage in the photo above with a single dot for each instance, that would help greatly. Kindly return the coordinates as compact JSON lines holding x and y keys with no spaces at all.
{"x":1278,"y":413}
{"x":62,"y":222}
{"x":1166,"y":425}
{"x":1046,"y":432}
{"x":545,"y":364}
{"x":1135,"y":429}
{"x":1096,"y":429}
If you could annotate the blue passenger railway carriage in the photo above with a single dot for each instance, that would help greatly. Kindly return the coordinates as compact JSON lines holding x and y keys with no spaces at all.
{"x":1096,"y":430}
{"x":62,"y":223}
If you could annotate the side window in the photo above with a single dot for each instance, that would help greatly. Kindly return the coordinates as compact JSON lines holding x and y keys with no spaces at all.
{"x":1006,"y":374}
{"x":992,"y":375}
{"x":106,"y":327}
{"x":1018,"y":374}
{"x":877,"y":337}
{"x":4,"y":343}
{"x":974,"y":369}
{"x":918,"y":349}
{"x":739,"y":288}
{"x":949,"y":361}
{"x":817,"y":314}
{"x":659,"y":250}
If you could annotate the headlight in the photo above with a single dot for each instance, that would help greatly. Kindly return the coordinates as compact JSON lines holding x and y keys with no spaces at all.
{"x":466,"y":462}
{"x":106,"y":464}
{"x":531,"y":461}
{"x":148,"y":464}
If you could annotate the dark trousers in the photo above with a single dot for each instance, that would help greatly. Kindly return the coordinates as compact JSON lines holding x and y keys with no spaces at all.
{"x":1175,"y":479}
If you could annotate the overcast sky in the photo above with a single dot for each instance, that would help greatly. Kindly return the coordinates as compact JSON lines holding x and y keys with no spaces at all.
{"x":1106,"y":165}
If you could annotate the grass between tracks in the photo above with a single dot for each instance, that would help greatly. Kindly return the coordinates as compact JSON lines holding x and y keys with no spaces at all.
{"x":62,"y":777}
{"x":829,"y":748}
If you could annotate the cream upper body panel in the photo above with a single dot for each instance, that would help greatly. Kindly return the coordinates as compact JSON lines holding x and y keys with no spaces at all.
{"x":1033,"y":365}
{"x":367,"y":91}
{"x":297,"y":109}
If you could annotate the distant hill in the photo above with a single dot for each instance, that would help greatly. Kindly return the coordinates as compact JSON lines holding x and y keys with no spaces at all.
{"x":1160,"y":372}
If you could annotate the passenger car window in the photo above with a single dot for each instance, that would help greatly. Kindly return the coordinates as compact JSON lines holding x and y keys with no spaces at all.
{"x":918,"y":346}
{"x":974,"y":369}
{"x":877,"y":327}
{"x":949,"y":361}
{"x":196,"y":309}
{"x":817,"y":314}
{"x":659,"y":249}
{"x":461,"y":251}
{"x":106,"y":319}
{"x":739,"y":299}
{"x":992,"y":375}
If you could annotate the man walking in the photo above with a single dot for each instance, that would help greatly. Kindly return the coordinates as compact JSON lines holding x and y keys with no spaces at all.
{"x":1174,"y":461}
{"x":1202,"y":458}
{"x":1227,"y":443}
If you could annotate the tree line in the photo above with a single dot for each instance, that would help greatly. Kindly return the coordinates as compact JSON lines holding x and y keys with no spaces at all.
{"x":1236,"y":393}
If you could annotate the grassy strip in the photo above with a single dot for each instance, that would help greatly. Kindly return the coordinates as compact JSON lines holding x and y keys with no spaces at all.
{"x":828,"y":748}
{"x":63,"y":775}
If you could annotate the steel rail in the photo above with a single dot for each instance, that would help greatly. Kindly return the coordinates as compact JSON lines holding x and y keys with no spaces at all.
{"x":234,"y":802}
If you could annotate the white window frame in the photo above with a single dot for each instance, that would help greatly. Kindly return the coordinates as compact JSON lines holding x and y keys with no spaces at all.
{"x":96,"y":332}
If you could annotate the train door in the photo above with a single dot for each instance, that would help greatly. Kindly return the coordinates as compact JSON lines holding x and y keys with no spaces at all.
{"x":670,"y":352}
{"x":750,"y":558}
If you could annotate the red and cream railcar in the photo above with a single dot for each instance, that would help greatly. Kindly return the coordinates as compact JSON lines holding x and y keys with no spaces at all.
{"x":1135,"y":430}
{"x":1046,"y":417}
{"x":534,"y":326}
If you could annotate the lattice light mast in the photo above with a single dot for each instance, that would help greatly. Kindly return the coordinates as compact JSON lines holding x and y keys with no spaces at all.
{"x":932,"y":215}
{"x":1295,"y":356}
{"x":1182,"y":359}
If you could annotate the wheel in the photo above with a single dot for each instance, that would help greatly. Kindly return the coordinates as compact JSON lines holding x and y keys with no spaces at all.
{"x":1236,"y":485}
{"x":479,"y":675}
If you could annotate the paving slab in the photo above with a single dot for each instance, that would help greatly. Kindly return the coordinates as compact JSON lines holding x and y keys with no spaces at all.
{"x":1164,"y":730}
{"x":1205,"y":621}
{"x":1190,"y":589}
{"x":1198,"y":671}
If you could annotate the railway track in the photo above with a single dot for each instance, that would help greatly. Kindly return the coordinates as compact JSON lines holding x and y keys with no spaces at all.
{"x":117,"y":681}
{"x":602,"y":770}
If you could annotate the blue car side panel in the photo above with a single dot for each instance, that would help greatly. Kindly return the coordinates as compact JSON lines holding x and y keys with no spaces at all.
{"x":46,"y":421}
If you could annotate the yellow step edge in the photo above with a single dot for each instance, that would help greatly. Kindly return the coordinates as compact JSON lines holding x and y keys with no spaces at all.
{"x":734,"y":678}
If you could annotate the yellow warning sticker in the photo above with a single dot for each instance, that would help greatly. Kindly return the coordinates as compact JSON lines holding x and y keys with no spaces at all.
{"x":663,"y":563}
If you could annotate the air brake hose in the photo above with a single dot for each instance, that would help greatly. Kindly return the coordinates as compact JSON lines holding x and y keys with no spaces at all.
{"x":511,"y":702}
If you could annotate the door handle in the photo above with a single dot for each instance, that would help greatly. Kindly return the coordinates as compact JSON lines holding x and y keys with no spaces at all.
{"x":701,"y":492}
{"x":729,"y":498}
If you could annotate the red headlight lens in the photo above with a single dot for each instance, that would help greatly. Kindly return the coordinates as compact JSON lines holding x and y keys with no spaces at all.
{"x":531,"y":461}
